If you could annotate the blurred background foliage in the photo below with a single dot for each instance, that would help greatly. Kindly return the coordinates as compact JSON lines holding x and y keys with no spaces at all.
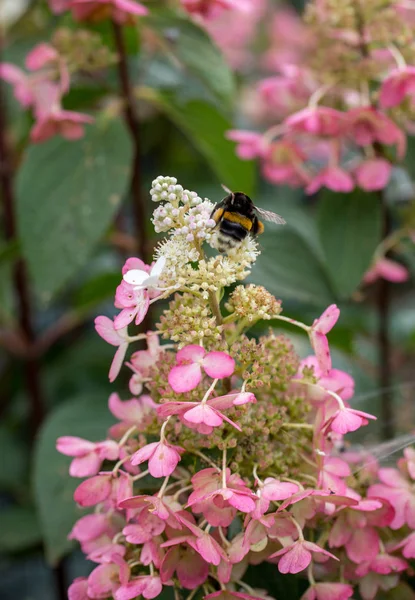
{"x":75,"y":225}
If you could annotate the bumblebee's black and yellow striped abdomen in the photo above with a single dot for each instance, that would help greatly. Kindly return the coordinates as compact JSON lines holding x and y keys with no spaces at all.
{"x":235,"y":217}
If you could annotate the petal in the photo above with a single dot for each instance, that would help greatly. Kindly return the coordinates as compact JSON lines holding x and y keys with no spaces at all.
{"x":135,"y":277}
{"x":184,"y":378}
{"x":133,"y":8}
{"x":218,"y":365}
{"x":363,"y":545}
{"x":74,"y":446}
{"x":117,"y":361}
{"x":144,"y":453}
{"x":278,"y":490}
{"x":85,"y":466}
{"x":89,"y":527}
{"x":39,"y":56}
{"x":392,"y":270}
{"x":157,"y":270}
{"x":191,"y":353}
{"x":203,"y":413}
{"x":125,"y":317}
{"x":142,"y":308}
{"x":78,"y":590}
{"x":346,"y":421}
{"x":105,"y":328}
{"x":130,"y":590}
{"x":295,"y":560}
{"x":163,"y":461}
{"x":321,"y":348}
{"x":327,"y":320}
{"x":373,"y":174}
{"x":92,"y":491}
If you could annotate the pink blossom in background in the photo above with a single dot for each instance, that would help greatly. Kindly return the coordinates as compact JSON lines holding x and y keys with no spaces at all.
{"x":78,"y":590}
{"x":388,"y":269}
{"x":334,"y":178}
{"x":249,"y":143}
{"x":59,"y":6}
{"x":320,"y":120}
{"x":319,"y":329}
{"x":191,"y":359}
{"x":399,"y":84}
{"x":119,"y":10}
{"x":234,"y":30}
{"x":22,"y":83}
{"x":367,"y":125}
{"x":52,"y":119}
{"x":142,"y":361}
{"x":211,"y":9}
{"x":373,"y":174}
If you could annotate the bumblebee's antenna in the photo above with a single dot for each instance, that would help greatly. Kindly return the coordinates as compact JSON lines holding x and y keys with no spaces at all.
{"x":228,"y":191}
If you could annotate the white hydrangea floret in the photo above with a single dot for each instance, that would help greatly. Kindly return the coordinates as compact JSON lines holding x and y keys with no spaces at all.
{"x":166,"y":188}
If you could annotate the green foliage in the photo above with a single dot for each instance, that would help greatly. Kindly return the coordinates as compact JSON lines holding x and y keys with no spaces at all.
{"x":191,"y":50}
{"x":350,"y":230}
{"x":68,"y":193}
{"x":84,"y":416}
{"x":19,"y":529}
{"x":205,"y":126}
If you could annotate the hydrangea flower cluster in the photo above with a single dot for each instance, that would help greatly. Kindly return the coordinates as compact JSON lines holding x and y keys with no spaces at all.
{"x":339,"y":100}
{"x":227,"y":455}
{"x":50,"y":66}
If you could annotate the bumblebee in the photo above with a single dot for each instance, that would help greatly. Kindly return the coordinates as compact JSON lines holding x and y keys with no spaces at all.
{"x":236,"y":217}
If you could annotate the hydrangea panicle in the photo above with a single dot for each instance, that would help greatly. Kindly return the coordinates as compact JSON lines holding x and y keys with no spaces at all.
{"x":225,"y":429}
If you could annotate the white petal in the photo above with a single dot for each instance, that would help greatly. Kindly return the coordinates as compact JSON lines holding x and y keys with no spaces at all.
{"x":135,"y":277}
{"x":157,"y":270}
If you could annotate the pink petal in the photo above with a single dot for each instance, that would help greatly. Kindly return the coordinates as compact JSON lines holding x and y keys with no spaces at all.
{"x":39,"y":56}
{"x":296,"y":559}
{"x":373,"y":174}
{"x":218,"y":365}
{"x":105,"y":328}
{"x":164,"y":460}
{"x":321,"y":348}
{"x":191,"y":353}
{"x":144,"y":453}
{"x":327,"y":320}
{"x":85,"y":466}
{"x":89,"y":527}
{"x":142,"y":308}
{"x":184,"y":378}
{"x":101,"y":580}
{"x":92,"y":491}
{"x":78,"y":590}
{"x":209,"y":549}
{"x":129,"y":590}
{"x":125,"y":317}
{"x":20,"y":81}
{"x":392,"y":271}
{"x":243,"y":502}
{"x":131,"y":7}
{"x":153,"y":587}
{"x":278,"y":490}
{"x":363,"y":545}
{"x":338,"y":180}
{"x":74,"y":446}
{"x":117,"y":361}
{"x":203,"y":413}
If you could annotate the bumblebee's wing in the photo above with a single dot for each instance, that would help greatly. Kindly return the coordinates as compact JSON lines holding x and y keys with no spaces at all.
{"x":270,"y":216}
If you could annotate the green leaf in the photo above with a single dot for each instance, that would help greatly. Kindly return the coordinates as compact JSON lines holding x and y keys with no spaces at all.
{"x":350,"y":230}
{"x":84,"y":416}
{"x":96,"y":290}
{"x":191,"y":49}
{"x":290,"y":268}
{"x":67,"y":195}
{"x":19,"y":529}
{"x":203,"y":124}
{"x":14,"y":461}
